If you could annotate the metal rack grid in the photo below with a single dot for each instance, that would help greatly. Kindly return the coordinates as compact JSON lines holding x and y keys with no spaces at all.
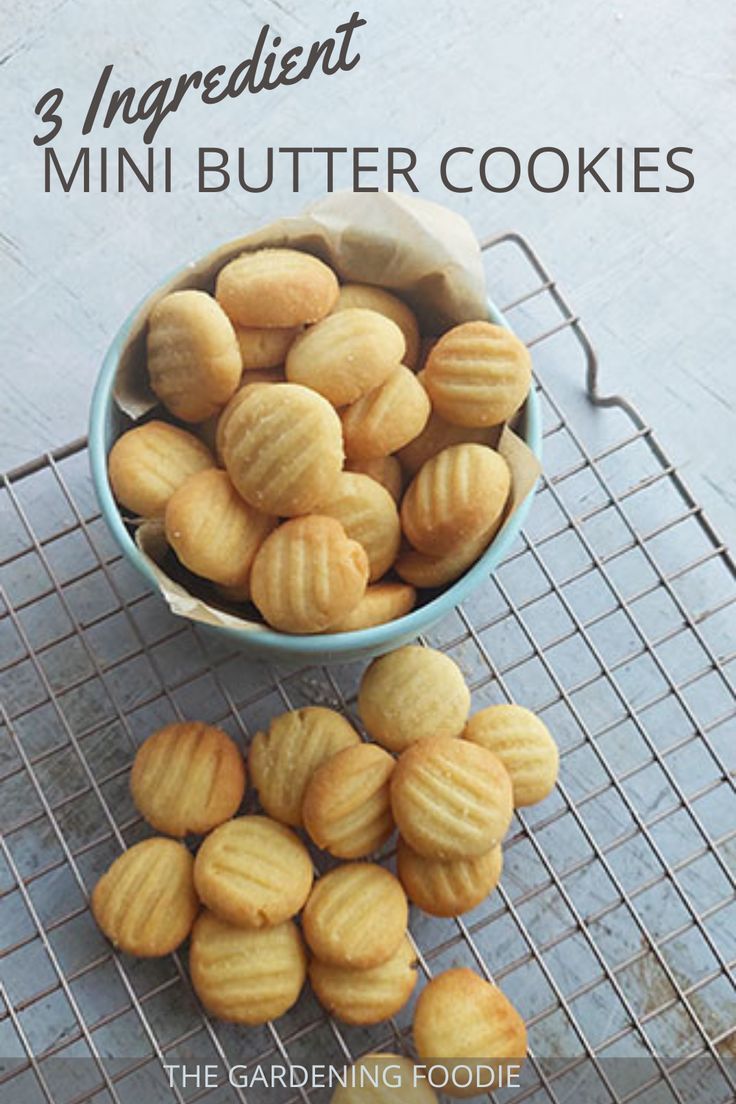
{"x":614,"y":928}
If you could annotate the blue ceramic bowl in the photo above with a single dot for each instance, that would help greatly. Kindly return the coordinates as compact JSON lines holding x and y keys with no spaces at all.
{"x":105,"y":424}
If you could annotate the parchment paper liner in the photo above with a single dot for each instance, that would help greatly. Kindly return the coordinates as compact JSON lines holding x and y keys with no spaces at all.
{"x":424,"y":251}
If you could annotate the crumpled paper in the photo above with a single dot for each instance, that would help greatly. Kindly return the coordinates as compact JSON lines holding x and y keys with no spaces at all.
{"x":423,"y":251}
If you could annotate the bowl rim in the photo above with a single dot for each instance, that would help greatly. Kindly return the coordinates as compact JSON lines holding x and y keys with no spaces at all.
{"x":266,"y":639}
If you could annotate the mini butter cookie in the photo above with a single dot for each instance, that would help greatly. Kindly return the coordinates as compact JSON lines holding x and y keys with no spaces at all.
{"x":368,"y":515}
{"x":145,"y":902}
{"x":222,"y":420}
{"x":478,"y":374}
{"x":460,"y":1017}
{"x":212,"y":530}
{"x":193,"y":356}
{"x":283,"y":760}
{"x":276,"y":288}
{"x":265,"y":375}
{"x":148,"y":463}
{"x":347,"y":805}
{"x":346,"y":355}
{"x":366,"y":996}
{"x":390,"y":306}
{"x":308,"y":574}
{"x":253,"y":872}
{"x":523,"y":744}
{"x":381,"y":603}
{"x":449,"y":804}
{"x":282,"y":447}
{"x":387,"y":418}
{"x":246,"y":975}
{"x":261,"y":348}
{"x":426,"y":572}
{"x":388,"y":1079}
{"x":410,"y":694}
{"x":187,"y":777}
{"x":455,"y":497}
{"x":448,"y":888}
{"x":356,"y":916}
{"x":386,"y":470}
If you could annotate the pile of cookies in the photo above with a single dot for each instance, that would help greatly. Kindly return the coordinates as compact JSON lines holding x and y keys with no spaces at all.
{"x":448,"y":782}
{"x":309,"y":407}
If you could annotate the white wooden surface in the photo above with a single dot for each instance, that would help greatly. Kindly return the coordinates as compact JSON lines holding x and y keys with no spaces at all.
{"x":652,"y":275}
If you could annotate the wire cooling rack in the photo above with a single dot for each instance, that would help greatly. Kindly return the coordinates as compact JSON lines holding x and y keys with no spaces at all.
{"x":614,"y":929}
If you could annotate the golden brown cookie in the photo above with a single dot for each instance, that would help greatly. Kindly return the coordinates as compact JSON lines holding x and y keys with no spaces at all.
{"x":246,"y":975}
{"x":427,"y":572}
{"x":265,"y":375}
{"x":276,"y":288}
{"x":223,"y":418}
{"x":448,"y":888}
{"x":346,"y":355}
{"x":347,"y":806}
{"x":478,"y":374}
{"x":390,"y":306}
{"x":263,"y":348}
{"x":410,"y":694}
{"x":145,"y":902}
{"x":387,"y":418}
{"x":308,"y":574}
{"x":447,"y":803}
{"x":460,"y":1017}
{"x":222,"y":421}
{"x":458,"y":495}
{"x":282,"y":447}
{"x":368,"y":515}
{"x":356,"y":916}
{"x":523,"y":744}
{"x":187,"y":777}
{"x":253,"y":872}
{"x":148,"y":463}
{"x":366,"y":996}
{"x":381,"y":603}
{"x":213,"y":531}
{"x":386,"y":470}
{"x":388,"y":1079}
{"x":283,"y":760}
{"x":193,"y":356}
